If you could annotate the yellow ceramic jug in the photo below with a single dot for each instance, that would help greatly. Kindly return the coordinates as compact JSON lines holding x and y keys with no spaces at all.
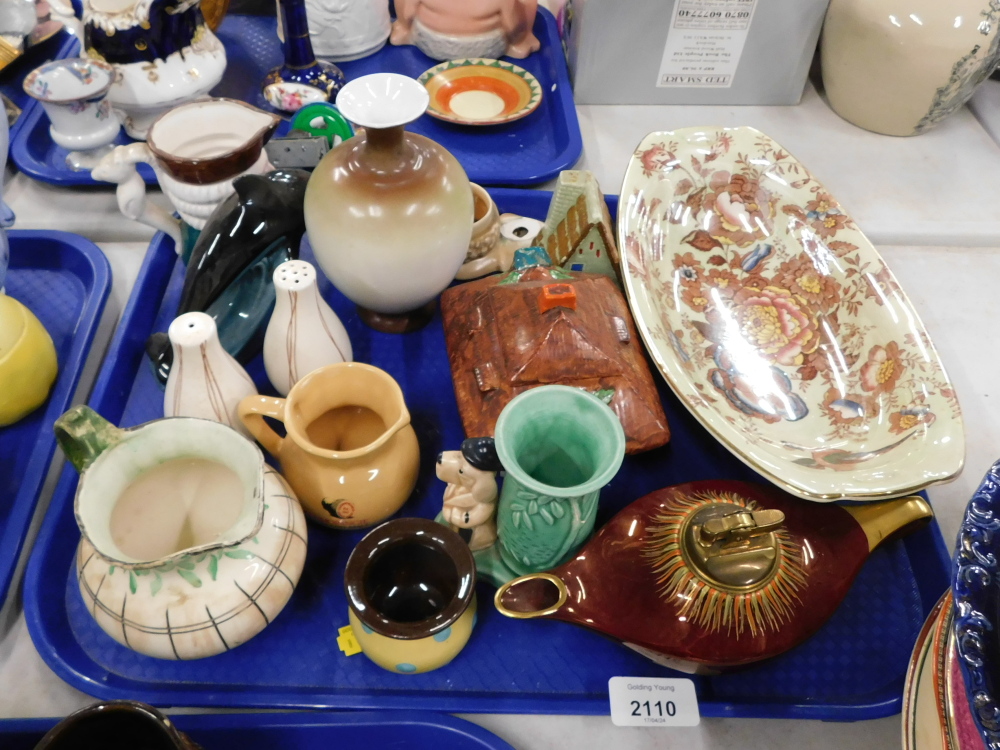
{"x":350,"y":453}
{"x":28,"y":365}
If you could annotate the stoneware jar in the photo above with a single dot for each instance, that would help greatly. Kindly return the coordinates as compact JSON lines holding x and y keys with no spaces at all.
{"x":411,"y":594}
{"x":303,"y":333}
{"x":350,"y":451}
{"x":713,"y":574}
{"x":28,"y":364}
{"x":450,"y":29}
{"x":344,"y":30}
{"x":196,"y":150}
{"x":163,"y":52}
{"x":116,"y":725}
{"x":73,"y":94}
{"x":205,"y":381}
{"x":900,"y":67}
{"x":183,"y":528}
{"x":389,"y":213}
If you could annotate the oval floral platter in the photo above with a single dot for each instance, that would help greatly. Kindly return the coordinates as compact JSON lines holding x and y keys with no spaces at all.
{"x":777,"y":323}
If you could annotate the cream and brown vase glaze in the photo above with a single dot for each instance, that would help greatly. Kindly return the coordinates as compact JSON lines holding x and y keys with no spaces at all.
{"x":389,"y":213}
{"x":350,"y":452}
{"x":900,"y":67}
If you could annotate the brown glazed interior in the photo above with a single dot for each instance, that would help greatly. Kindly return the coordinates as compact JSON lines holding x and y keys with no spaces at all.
{"x":115,"y":725}
{"x":410,"y":578}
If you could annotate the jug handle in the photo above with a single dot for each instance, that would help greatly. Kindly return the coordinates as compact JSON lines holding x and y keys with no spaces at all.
{"x":252,"y":411}
{"x":83,"y":434}
{"x":562,"y":594}
{"x":119,"y":167}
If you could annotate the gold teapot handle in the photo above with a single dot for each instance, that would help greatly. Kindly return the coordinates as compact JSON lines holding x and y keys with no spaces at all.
{"x":252,"y":411}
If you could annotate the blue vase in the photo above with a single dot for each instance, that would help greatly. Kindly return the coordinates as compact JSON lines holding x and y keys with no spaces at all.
{"x":302,"y":79}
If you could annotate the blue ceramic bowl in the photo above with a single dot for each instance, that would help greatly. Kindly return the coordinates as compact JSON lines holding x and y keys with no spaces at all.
{"x":976,"y":587}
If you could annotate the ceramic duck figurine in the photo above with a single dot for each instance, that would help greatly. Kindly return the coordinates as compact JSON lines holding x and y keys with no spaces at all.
{"x":303,"y":334}
{"x":251,"y":233}
{"x":205,"y":381}
{"x":163,"y":51}
{"x":713,"y":574}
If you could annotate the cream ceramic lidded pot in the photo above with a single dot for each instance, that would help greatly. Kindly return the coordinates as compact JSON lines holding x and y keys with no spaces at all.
{"x":900,"y":67}
{"x":389,"y":213}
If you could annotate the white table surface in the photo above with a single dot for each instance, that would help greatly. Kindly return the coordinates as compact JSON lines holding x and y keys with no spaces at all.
{"x":927,"y":203}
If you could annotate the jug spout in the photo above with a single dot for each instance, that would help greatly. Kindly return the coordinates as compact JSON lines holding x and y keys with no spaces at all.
{"x":883,"y":521}
{"x":83,"y":434}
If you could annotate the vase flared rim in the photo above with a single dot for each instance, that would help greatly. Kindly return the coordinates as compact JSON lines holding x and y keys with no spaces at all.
{"x":383,"y":100}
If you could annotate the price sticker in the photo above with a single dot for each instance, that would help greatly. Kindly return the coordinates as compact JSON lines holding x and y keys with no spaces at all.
{"x":653,"y":702}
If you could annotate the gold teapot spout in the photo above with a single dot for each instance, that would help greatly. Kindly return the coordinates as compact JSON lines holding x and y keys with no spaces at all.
{"x":883,"y":521}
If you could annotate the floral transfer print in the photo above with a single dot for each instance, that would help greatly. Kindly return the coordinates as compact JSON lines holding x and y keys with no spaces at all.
{"x":771,"y":305}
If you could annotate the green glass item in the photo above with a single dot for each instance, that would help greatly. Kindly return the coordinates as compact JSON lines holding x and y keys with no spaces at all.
{"x":559,"y":446}
{"x":323,"y":119}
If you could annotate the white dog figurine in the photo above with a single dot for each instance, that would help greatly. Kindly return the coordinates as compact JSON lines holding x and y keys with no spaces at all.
{"x":470,"y":500}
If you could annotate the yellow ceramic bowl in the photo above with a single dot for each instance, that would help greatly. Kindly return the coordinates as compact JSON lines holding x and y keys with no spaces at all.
{"x":479,"y":91}
{"x":28,"y":365}
{"x":417,"y":655}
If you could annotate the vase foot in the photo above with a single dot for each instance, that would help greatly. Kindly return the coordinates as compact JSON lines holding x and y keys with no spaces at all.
{"x":405,"y":322}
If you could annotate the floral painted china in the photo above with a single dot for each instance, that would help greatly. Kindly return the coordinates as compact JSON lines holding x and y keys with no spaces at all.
{"x":777,"y":323}
{"x":479,"y":91}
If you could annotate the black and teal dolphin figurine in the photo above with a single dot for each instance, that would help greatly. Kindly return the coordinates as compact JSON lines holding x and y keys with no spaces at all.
{"x":253,"y":231}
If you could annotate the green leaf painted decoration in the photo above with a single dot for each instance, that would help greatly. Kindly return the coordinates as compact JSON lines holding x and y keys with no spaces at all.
{"x":156,"y":585}
{"x":133,"y":582}
{"x":240,"y":554}
{"x":213,"y":566}
{"x":190,"y":577}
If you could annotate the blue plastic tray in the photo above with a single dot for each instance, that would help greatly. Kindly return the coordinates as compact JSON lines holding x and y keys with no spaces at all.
{"x":524,"y":152}
{"x":55,"y":47}
{"x":64,"y":279}
{"x":852,"y":669}
{"x":399,"y":730}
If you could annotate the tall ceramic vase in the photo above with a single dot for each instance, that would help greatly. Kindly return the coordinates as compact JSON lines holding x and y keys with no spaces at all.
{"x":302,"y":79}
{"x":900,"y":67}
{"x":389,"y":213}
{"x":303,"y":334}
{"x":205,"y":381}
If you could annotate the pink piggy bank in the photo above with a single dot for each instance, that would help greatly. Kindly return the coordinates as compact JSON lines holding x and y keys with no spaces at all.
{"x":452,"y":29}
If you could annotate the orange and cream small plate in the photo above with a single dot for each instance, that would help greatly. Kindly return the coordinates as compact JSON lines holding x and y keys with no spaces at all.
{"x":479,"y":91}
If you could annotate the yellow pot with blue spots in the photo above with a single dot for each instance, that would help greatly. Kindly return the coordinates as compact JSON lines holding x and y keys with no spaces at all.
{"x":411,"y":591}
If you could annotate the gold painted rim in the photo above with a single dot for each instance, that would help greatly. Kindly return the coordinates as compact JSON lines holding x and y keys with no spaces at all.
{"x":555,"y":580}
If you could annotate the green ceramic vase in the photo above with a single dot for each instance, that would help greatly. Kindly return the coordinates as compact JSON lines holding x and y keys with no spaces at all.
{"x":559,"y":446}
